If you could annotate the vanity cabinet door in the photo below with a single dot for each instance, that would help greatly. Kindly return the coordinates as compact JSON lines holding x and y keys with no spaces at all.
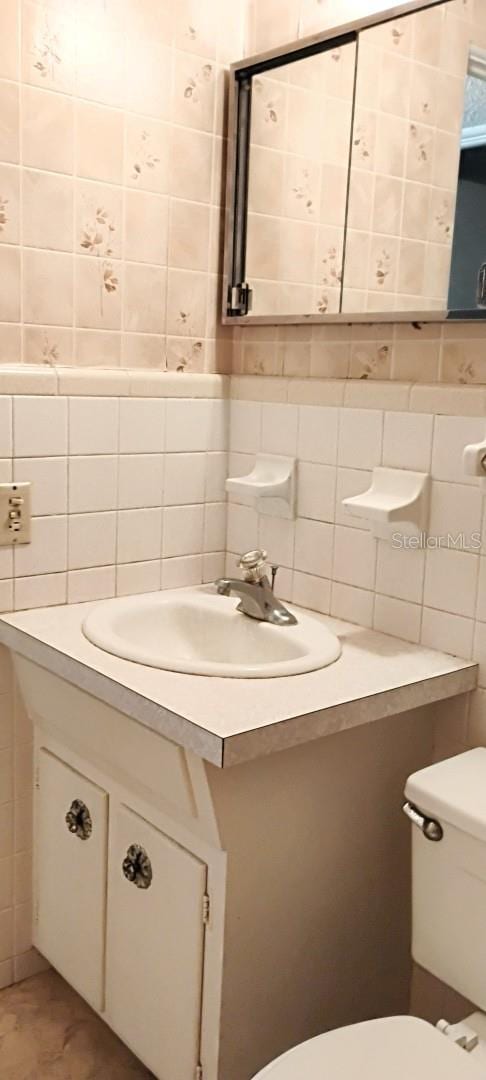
{"x":71,"y":855}
{"x":155,"y":946}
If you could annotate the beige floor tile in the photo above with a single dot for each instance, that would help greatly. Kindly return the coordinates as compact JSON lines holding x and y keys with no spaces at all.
{"x":48,"y":1033}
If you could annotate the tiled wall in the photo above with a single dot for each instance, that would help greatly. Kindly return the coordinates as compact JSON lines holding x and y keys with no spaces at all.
{"x":330,"y":559}
{"x":111,"y":162}
{"x":128,"y":491}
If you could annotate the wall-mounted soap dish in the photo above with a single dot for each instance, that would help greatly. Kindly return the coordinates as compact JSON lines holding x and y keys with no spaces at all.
{"x":270,"y":484}
{"x":397,"y":501}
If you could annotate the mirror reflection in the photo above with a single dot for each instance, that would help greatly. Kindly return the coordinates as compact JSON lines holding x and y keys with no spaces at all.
{"x":367,"y":173}
{"x":300,"y":139}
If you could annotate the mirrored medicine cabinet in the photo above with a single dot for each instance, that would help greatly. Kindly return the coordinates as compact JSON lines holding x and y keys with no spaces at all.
{"x":357,"y":173}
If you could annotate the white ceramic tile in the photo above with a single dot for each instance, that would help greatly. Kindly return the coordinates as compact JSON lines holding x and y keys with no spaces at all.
{"x":398,"y":618}
{"x":400,"y":572}
{"x":277,"y":537}
{"x":407,"y":441}
{"x":354,"y":557}
{"x":316,"y":491}
{"x":318,"y":434}
{"x":455,"y":512}
{"x":184,"y":479}
{"x":451,"y":581}
{"x":216,"y":473}
{"x":140,"y":481}
{"x":40,"y":426}
{"x":6,"y":595}
{"x":451,"y":435}
{"x":179,"y":572}
{"x":481,"y":601}
{"x":350,"y":482}
{"x":142,"y":426}
{"x":245,"y":427}
{"x":183,"y":530}
{"x":212,"y":566}
{"x":242,"y":529}
{"x":43,"y":590}
{"x":141,"y":577}
{"x":93,"y":425}
{"x":188,"y":424}
{"x":311,"y":592}
{"x":139,"y":535}
{"x":48,"y":477}
{"x":448,"y":633}
{"x":214,"y":527}
{"x":479,"y":652}
{"x":360,"y":438}
{"x":352,"y":604}
{"x":47,"y":553}
{"x":92,"y":540}
{"x":92,"y":483}
{"x":218,"y":425}
{"x":95,"y":583}
{"x":313,"y":547}
{"x":279,"y":429}
{"x":5,"y":427}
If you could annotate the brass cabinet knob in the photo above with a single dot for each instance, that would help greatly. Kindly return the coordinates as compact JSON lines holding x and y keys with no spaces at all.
{"x":78,"y":820}
{"x":137,"y":867}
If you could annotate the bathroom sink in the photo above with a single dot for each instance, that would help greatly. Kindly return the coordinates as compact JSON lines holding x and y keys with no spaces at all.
{"x":200,"y":633}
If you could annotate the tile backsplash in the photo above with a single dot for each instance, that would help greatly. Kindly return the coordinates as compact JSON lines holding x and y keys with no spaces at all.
{"x":330,"y":560}
{"x":128,"y":494}
{"x":111,"y":167}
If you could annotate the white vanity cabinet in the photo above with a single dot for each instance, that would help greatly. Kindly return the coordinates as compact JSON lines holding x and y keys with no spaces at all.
{"x":70,"y":900}
{"x":121,"y":912}
{"x":214,"y":917}
{"x":155,"y":945}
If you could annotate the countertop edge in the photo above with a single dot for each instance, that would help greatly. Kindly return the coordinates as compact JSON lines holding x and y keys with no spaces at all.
{"x":297,"y":730}
{"x":151,"y":715}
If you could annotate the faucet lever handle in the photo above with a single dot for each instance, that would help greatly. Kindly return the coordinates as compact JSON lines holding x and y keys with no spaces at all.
{"x":252,"y":563}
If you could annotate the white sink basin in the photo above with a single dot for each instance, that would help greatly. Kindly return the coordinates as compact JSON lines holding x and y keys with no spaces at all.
{"x":201,"y":633}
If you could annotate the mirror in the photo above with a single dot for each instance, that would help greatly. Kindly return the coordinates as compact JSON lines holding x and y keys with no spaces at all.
{"x":300,"y":139}
{"x":357,"y":179}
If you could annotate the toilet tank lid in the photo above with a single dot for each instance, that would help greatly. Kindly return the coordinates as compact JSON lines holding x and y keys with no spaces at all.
{"x":454,"y":791}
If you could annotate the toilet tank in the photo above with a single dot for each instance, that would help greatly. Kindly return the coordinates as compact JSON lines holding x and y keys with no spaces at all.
{"x":449,"y":875}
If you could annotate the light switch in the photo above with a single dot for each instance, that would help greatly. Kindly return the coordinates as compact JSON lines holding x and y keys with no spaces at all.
{"x":15,"y":514}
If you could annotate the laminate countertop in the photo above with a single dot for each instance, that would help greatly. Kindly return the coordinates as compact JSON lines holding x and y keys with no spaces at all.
{"x":228,"y":721}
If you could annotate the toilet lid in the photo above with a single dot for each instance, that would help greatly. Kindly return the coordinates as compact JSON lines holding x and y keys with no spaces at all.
{"x":398,"y":1047}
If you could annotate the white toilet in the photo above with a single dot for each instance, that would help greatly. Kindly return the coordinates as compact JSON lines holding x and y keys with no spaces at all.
{"x":447,"y":803}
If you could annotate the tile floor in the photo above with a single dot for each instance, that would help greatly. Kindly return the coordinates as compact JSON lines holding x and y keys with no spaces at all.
{"x":47,"y":1032}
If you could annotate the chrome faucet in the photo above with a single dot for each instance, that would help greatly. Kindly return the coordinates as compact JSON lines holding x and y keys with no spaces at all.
{"x":257,"y":598}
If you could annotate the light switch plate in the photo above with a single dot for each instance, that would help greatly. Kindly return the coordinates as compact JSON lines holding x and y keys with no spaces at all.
{"x":15,"y":514}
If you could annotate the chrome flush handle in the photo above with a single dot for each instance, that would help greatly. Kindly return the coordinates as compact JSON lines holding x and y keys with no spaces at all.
{"x":431,"y":829}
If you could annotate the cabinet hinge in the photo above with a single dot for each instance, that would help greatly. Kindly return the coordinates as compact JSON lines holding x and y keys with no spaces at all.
{"x":239,"y":299}
{"x":199,"y":1072}
{"x":206,"y":909}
